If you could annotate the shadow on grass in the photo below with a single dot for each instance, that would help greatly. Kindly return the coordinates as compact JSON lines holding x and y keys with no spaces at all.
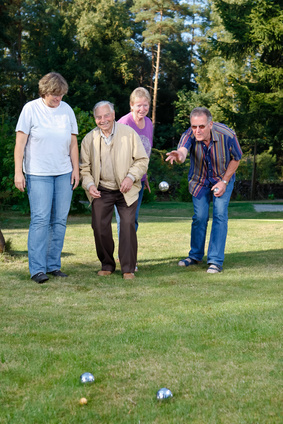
{"x":233,"y":261}
{"x":24,"y":253}
{"x":261,"y":260}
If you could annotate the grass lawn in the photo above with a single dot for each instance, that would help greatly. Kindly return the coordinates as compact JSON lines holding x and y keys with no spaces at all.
{"x":214,"y":340}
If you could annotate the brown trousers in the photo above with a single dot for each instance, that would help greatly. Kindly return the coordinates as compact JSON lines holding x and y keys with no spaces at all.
{"x":102,"y":213}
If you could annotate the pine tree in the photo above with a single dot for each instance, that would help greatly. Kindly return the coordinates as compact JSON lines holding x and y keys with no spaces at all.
{"x":256,"y":29}
{"x":162,"y":19}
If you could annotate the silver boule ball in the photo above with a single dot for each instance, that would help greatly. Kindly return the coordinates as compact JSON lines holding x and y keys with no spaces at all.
{"x":216,"y":190}
{"x":163,"y":186}
{"x":164,"y":394}
{"x":86,"y":377}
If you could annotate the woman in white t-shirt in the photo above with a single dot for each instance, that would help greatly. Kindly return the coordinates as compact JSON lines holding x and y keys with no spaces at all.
{"x":47,"y":164}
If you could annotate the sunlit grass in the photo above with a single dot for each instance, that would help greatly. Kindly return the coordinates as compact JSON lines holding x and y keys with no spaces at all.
{"x":214,"y":340}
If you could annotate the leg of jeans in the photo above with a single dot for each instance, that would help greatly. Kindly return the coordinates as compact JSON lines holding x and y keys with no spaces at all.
{"x":139,"y":205}
{"x":62,"y":196}
{"x":102,"y":212}
{"x":117,"y":220}
{"x":128,"y":244}
{"x":40,"y":194}
{"x":199,"y":226}
{"x":215,"y":254}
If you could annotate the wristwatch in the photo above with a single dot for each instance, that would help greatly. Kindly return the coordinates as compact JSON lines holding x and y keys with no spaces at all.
{"x":225,"y":182}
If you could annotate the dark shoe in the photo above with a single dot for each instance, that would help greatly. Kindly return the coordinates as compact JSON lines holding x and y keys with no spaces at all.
{"x":57,"y":273}
{"x":40,"y":277}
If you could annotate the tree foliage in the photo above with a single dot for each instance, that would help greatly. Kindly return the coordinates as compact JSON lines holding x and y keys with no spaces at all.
{"x":256,"y":29}
{"x":163,"y":19}
{"x":223,"y":54}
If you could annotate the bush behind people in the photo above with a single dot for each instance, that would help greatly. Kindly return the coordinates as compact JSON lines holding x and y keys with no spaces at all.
{"x":159,"y":170}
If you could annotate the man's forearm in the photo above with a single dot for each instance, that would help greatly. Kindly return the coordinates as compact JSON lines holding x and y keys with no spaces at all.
{"x":231,"y":169}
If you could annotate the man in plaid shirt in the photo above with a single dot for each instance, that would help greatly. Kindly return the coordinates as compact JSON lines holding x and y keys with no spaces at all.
{"x":215,"y":154}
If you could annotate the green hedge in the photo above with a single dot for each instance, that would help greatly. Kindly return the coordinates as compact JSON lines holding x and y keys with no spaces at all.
{"x":159,"y":170}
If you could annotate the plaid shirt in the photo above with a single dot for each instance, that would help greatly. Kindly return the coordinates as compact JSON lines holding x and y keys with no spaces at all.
{"x":209,"y":164}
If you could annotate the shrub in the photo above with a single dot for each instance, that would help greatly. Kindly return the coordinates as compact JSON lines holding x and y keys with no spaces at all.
{"x":176,"y":176}
{"x":266,"y":171}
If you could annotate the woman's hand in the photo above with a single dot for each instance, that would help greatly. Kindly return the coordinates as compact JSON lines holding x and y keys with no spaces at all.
{"x":20,"y":181}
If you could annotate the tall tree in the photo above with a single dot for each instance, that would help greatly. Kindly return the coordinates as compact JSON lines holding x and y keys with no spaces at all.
{"x":12,"y":22}
{"x":33,"y":41}
{"x":104,"y":31}
{"x":256,"y":28}
{"x":161,"y":18}
{"x":256,"y":31}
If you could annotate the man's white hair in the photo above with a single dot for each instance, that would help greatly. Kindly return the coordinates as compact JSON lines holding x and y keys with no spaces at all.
{"x":103,"y":103}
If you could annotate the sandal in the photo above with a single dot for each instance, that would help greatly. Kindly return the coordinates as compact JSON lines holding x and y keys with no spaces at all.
{"x":214,"y":269}
{"x":188,"y":261}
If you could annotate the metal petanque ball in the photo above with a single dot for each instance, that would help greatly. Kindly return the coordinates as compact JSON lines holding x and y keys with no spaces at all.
{"x":163,"y":186}
{"x":86,"y":377}
{"x":216,"y":190}
{"x":164,"y":394}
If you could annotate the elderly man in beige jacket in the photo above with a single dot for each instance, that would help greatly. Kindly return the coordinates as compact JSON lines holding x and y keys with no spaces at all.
{"x":112,"y":163}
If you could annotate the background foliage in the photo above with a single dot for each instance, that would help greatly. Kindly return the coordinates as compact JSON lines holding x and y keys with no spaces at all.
{"x":225,"y":55}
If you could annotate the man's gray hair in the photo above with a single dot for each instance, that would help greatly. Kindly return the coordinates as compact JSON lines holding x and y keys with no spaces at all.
{"x":197,"y":111}
{"x":103,"y":103}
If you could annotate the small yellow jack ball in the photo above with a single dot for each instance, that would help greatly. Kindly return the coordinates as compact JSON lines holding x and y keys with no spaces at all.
{"x":83,"y":401}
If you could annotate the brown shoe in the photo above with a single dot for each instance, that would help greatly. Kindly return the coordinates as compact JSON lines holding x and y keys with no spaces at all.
{"x":104,"y":273}
{"x":128,"y":275}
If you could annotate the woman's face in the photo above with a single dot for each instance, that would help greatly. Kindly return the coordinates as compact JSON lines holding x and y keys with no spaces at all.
{"x":52,"y":100}
{"x":140,"y":108}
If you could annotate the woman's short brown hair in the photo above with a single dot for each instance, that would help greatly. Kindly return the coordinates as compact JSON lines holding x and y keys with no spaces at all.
{"x":139,"y":92}
{"x":52,"y":83}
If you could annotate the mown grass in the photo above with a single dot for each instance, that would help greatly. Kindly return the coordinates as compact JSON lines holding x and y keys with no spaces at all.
{"x":214,"y":340}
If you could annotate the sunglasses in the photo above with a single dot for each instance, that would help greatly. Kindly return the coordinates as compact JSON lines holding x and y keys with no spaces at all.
{"x":201,"y":127}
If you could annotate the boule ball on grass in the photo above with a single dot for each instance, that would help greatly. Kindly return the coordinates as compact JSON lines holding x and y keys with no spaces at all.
{"x":164,"y":393}
{"x":83,"y":401}
{"x":86,"y":377}
{"x":163,"y":186}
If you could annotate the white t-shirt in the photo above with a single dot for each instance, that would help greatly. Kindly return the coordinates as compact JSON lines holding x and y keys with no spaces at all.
{"x":49,"y":130}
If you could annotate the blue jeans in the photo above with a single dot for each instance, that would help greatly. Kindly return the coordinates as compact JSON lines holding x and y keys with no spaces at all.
{"x":215,"y":253}
{"x":50,"y":199}
{"x":137,"y":211}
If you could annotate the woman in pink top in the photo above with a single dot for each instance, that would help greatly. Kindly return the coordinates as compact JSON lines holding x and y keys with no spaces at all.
{"x":137,"y":119}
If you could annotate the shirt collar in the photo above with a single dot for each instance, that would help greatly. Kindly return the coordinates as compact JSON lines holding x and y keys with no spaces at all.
{"x":214,"y":134}
{"x":109,"y":138}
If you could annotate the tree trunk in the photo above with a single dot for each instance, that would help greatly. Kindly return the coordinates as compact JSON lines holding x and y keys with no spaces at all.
{"x":254,"y":174}
{"x":152,"y":72}
{"x":154,"y":103}
{"x":20,"y":73}
{"x":2,"y":242}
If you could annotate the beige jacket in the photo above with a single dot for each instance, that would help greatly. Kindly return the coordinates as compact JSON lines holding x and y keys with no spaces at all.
{"x":128,"y":156}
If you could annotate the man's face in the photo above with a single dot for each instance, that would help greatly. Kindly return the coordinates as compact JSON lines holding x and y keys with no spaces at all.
{"x":201,"y":128}
{"x":104,"y":119}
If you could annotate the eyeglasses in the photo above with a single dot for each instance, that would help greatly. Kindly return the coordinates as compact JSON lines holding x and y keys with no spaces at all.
{"x":201,"y":127}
